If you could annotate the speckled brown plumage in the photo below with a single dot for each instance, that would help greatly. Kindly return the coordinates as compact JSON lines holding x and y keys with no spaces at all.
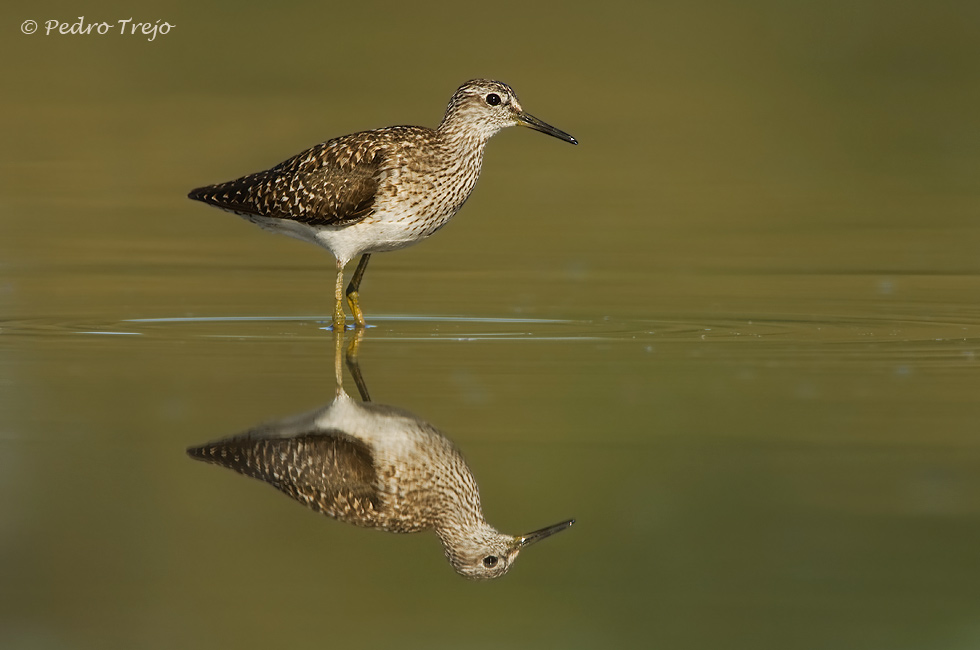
{"x":380,"y":467}
{"x":378,"y":190}
{"x":328,"y":471}
{"x":331,"y":184}
{"x":389,"y":471}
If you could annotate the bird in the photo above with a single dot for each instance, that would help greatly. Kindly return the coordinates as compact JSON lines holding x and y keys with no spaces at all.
{"x":379,"y":190}
{"x":380,"y":467}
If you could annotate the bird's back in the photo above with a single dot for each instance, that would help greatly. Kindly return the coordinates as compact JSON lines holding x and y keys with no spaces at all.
{"x":328,"y":471}
{"x":334,"y":183}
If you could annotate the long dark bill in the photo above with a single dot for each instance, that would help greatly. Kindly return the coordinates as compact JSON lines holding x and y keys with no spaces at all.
{"x":538,"y":535}
{"x":526,"y":119}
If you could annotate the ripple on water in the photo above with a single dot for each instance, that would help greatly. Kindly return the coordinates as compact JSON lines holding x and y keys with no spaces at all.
{"x":938,"y":337}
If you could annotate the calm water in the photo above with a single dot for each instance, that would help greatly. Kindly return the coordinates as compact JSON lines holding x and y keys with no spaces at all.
{"x":735,"y":333}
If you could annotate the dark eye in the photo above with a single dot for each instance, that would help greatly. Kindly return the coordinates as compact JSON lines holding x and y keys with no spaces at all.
{"x":493,"y":99}
{"x":490,"y":561}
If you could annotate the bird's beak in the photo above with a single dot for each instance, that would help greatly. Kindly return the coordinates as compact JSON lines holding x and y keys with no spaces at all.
{"x":538,"y":535}
{"x":526,"y":119}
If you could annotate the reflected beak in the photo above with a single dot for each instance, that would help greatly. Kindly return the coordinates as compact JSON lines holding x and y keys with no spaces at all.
{"x":525,"y":119}
{"x":538,"y":535}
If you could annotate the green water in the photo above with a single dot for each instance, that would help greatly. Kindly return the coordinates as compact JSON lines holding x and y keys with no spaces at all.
{"x":734,"y":333}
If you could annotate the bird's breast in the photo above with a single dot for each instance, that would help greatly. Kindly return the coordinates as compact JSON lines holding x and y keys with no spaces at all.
{"x":420,"y":195}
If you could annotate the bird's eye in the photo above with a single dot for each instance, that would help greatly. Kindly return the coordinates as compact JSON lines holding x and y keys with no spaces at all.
{"x":490,"y":561}
{"x":493,"y":99}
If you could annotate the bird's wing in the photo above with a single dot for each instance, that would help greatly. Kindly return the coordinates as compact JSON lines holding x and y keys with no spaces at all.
{"x":328,"y":471}
{"x":333,"y":183}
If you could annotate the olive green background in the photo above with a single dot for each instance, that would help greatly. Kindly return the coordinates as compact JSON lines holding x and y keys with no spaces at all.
{"x":734,"y":332}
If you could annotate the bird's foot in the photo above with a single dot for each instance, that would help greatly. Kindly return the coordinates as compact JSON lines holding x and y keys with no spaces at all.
{"x":339,"y":320}
{"x":355,"y":308}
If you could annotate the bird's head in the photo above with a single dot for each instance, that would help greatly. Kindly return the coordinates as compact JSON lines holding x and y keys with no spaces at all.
{"x":484,"y":553}
{"x":483,"y":107}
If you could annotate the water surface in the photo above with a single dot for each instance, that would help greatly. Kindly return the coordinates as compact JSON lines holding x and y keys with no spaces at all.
{"x":734,"y":333}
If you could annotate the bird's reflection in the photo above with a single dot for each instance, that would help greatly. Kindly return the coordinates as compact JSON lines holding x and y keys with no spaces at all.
{"x":375,"y":466}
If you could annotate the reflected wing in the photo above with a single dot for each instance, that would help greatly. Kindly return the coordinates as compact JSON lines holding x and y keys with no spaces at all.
{"x":328,"y":471}
{"x":333,"y":183}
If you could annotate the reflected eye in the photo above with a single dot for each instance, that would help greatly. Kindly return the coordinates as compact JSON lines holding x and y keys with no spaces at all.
{"x":490,"y":561}
{"x":493,"y":99}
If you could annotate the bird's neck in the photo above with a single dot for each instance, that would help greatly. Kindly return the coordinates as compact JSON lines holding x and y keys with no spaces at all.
{"x":459,"y":536}
{"x":462,"y":158}
{"x":464,"y":136}
{"x":460,"y":509}
{"x":458,"y":520}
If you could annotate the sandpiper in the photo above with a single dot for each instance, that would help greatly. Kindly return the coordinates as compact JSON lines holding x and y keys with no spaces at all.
{"x":378,"y":190}
{"x":379,"y":467}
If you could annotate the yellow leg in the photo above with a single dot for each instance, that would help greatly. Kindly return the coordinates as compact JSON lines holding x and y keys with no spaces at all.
{"x":338,"y":345}
{"x":352,"y":288}
{"x":338,"y":307}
